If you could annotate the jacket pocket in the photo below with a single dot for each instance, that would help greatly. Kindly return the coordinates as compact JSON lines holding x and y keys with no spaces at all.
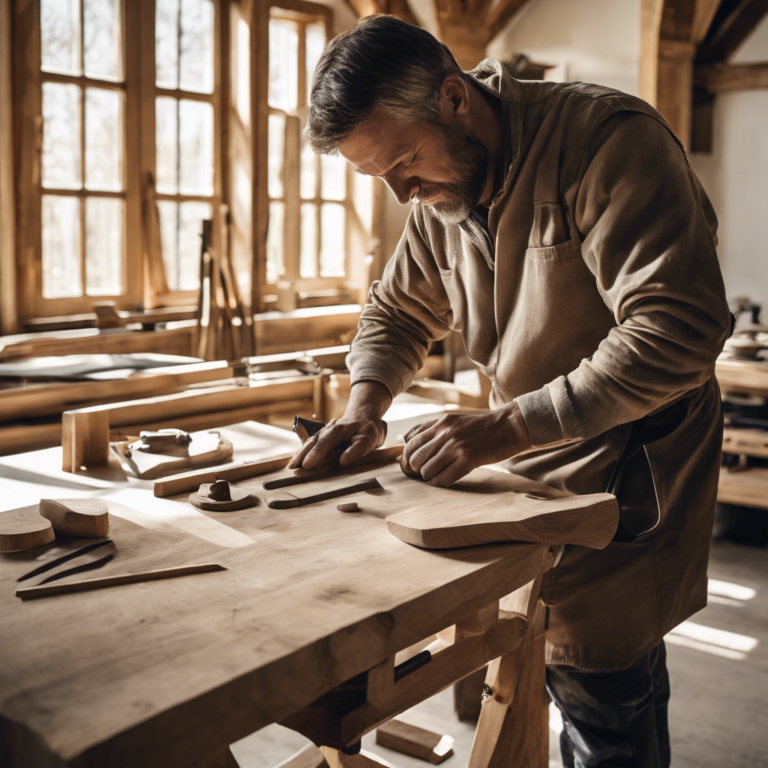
{"x":560,"y":252}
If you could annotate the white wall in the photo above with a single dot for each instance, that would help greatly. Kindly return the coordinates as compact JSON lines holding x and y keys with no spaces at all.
{"x":735,"y":176}
{"x":597,"y":41}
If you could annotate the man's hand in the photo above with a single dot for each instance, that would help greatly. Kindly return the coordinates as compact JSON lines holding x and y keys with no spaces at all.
{"x":361,"y":426}
{"x":445,"y":450}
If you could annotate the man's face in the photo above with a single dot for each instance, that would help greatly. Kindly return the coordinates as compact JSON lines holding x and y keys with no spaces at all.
{"x":443,"y":166}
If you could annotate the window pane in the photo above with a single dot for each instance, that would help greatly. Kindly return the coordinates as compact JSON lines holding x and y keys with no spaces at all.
{"x":275,"y":261}
{"x":332,"y":257}
{"x":166,"y":144}
{"x":308,"y":253}
{"x":61,"y":247}
{"x":333,"y":182}
{"x":61,"y":136}
{"x":283,"y":64}
{"x":60,"y":36}
{"x":167,"y":43}
{"x":101,"y":38}
{"x":276,"y":155}
{"x":103,"y":140}
{"x":195,"y":148}
{"x":308,"y":177}
{"x":196,"y":46}
{"x":169,"y":238}
{"x":191,"y":217}
{"x":103,"y":246}
{"x":315,"y":45}
{"x":242,"y":73}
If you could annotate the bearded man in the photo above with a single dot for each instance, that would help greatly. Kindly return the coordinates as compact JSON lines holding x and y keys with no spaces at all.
{"x":560,"y":230}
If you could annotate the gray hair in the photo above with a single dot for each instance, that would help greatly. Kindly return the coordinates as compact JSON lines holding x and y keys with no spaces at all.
{"x":380,"y":64}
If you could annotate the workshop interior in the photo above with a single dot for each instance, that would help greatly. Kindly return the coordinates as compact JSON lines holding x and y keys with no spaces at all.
{"x":235,"y":346}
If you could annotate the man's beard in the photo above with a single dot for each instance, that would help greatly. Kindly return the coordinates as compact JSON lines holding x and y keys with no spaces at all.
{"x":470,"y":157}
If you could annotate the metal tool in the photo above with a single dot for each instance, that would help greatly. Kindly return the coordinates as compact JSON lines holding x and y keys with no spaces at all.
{"x":367,"y":485}
{"x":78,"y":569}
{"x":56,"y":562}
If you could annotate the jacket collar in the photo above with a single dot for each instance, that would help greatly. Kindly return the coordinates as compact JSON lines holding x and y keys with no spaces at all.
{"x":492,"y":76}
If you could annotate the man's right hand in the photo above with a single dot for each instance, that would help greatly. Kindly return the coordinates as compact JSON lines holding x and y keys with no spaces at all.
{"x":361,"y":426}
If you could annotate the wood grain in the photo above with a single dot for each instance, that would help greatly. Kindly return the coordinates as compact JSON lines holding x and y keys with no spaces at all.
{"x":23,"y":528}
{"x":417,"y":742}
{"x":317,"y":598}
{"x":490,"y":506}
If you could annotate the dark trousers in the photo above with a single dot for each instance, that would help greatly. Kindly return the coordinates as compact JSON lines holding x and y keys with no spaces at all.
{"x":615,"y":719}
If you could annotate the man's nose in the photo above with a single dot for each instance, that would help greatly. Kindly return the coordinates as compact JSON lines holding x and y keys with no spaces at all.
{"x":402,"y":188}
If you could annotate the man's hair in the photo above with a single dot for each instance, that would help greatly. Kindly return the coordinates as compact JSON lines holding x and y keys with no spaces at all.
{"x":379,"y":64}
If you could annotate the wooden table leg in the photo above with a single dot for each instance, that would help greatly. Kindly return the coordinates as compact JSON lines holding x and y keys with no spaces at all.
{"x":513,"y":729}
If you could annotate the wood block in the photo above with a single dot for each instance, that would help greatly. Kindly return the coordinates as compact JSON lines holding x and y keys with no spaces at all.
{"x":309,"y":757}
{"x":23,"y":528}
{"x":417,"y":742}
{"x":488,"y":507}
{"x":88,"y":518}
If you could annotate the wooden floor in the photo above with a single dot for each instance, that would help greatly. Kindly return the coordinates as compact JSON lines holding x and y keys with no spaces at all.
{"x":719,"y":708}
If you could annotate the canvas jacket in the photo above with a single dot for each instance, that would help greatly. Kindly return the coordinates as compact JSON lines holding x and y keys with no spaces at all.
{"x":601,"y":303}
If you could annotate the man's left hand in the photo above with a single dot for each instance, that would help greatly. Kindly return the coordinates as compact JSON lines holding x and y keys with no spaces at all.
{"x":445,"y":450}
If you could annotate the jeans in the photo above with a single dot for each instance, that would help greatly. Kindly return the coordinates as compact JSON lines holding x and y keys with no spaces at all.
{"x":615,"y":718}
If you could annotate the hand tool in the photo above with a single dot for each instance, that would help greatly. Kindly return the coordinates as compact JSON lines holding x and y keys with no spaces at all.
{"x":367,"y":485}
{"x":30,"y":593}
{"x":56,"y":562}
{"x":78,"y":569}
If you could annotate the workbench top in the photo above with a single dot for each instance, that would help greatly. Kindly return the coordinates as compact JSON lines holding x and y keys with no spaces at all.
{"x":162,"y":673}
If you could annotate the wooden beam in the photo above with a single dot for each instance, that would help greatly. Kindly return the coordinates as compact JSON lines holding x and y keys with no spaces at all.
{"x":732,"y":24}
{"x":500,"y":14}
{"x":730,"y":77}
{"x":703,"y":16}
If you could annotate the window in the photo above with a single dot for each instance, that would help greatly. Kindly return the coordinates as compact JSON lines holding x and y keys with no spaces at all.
{"x":307,"y":241}
{"x":83,"y":190}
{"x":112,"y":93}
{"x":185,"y":171}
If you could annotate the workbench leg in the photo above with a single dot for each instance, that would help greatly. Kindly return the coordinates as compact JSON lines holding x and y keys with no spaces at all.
{"x":513,"y":729}
{"x":363,"y":759}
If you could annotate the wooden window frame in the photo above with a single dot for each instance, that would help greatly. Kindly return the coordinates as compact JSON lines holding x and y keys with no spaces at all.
{"x":138,"y":158}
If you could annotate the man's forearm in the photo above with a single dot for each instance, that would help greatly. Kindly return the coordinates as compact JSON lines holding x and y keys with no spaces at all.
{"x":368,"y":398}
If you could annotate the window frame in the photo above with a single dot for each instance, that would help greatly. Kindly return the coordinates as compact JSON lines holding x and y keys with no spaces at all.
{"x":138,"y":159}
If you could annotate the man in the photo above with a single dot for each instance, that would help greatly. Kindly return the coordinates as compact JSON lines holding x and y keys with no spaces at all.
{"x":559,"y":228}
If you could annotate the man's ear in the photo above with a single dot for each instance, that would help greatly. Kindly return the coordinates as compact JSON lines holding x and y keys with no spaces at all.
{"x":454,"y":97}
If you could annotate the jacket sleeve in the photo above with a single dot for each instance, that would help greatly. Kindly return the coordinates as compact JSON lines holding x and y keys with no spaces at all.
{"x":649,"y":239}
{"x":406,"y":310}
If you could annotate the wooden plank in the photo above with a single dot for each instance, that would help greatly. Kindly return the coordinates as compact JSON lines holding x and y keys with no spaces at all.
{"x":742,"y":376}
{"x":746,"y":442}
{"x":747,"y":487}
{"x":731,"y":26}
{"x":505,"y":507}
{"x":414,"y":741}
{"x":703,"y":16}
{"x":309,"y":757}
{"x":300,"y":610}
{"x":731,"y":77}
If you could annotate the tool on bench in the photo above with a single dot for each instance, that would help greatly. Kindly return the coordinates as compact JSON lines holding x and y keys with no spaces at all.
{"x":78,"y":569}
{"x":220,"y":496}
{"x":306,"y":428}
{"x":30,"y":593}
{"x":367,"y":485}
{"x":56,"y":562}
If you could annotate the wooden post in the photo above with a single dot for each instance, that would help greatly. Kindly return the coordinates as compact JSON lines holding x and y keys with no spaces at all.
{"x":84,"y":439}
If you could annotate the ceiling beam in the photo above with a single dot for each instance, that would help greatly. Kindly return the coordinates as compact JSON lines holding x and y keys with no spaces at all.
{"x":732,"y":24}
{"x":729,"y":77}
{"x":703,"y":17}
{"x":499,"y":14}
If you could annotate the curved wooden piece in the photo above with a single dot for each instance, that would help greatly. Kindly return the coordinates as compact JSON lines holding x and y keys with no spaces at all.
{"x":23,"y":528}
{"x":87,"y":518}
{"x":489,"y":507}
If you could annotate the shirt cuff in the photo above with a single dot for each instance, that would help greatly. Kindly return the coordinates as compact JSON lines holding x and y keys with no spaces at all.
{"x":548,"y":413}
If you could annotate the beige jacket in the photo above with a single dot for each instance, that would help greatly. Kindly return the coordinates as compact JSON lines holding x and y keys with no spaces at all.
{"x":602,"y":303}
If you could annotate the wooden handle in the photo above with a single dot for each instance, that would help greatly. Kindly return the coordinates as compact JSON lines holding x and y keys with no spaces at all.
{"x":30,"y":593}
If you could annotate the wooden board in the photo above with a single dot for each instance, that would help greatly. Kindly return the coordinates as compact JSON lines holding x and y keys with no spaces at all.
{"x":176,"y":669}
{"x":490,"y":506}
{"x":22,"y":529}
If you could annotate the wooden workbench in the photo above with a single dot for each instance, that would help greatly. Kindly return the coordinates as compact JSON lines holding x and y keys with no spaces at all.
{"x":164,"y":673}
